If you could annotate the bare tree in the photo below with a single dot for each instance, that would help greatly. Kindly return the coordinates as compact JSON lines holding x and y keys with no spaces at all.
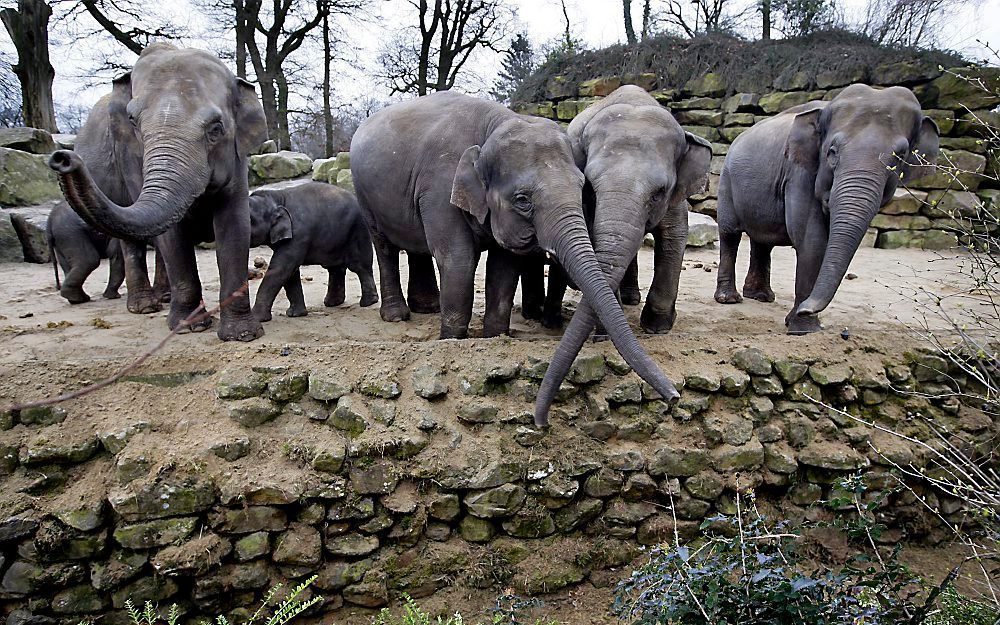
{"x":909,"y":22}
{"x":448,"y":33}
{"x":647,"y":18}
{"x":765,"y":13}
{"x":709,"y":16}
{"x":27,"y":26}
{"x":629,"y":29}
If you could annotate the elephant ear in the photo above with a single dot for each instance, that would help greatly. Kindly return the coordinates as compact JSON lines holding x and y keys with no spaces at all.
{"x":923,"y":155}
{"x":251,"y":126}
{"x":281,"y":226}
{"x":127,"y":147}
{"x":802,"y":147}
{"x":468,"y":191}
{"x":692,"y":170}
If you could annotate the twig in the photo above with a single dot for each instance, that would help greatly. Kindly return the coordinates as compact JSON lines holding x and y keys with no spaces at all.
{"x":197,"y":315}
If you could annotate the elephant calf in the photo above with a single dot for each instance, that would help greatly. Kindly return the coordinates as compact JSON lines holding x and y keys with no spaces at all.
{"x":310,"y":224}
{"x":814,"y":177}
{"x":78,"y":248}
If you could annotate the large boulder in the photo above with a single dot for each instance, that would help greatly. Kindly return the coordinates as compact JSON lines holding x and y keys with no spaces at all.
{"x":65,"y":141}
{"x":10,"y":245}
{"x":702,"y":230}
{"x":345,"y":180}
{"x":29,"y":224}
{"x":27,"y":140}
{"x":963,"y":87}
{"x":25,"y":179}
{"x":282,"y":165}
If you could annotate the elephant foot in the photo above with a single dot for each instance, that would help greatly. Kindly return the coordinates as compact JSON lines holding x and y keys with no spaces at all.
{"x":531,"y":311}
{"x":368,"y":299}
{"x":764,"y":294}
{"x":143,"y":302}
{"x":727,"y":295}
{"x":295,"y":311}
{"x":243,"y":328}
{"x":332,"y":302}
{"x":162,"y":296}
{"x":111,"y":294}
{"x":75,"y":296}
{"x":630,"y":297}
{"x":802,"y":324}
{"x":454,"y":333}
{"x":394,"y":312}
{"x":653,"y":322}
{"x":425,"y":305}
{"x":261,"y":314}
{"x":552,"y":320}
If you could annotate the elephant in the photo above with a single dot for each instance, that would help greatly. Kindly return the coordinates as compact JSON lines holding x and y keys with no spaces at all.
{"x":165,"y":156}
{"x":310,"y":224}
{"x":640,"y":167}
{"x":78,"y":249}
{"x":448,"y":176}
{"x":814,"y":177}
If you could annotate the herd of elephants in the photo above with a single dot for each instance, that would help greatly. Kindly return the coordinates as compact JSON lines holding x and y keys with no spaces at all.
{"x":163,"y":159}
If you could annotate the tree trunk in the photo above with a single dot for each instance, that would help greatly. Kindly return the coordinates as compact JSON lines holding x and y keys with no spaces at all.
{"x":646,"y":15}
{"x":241,"y":45}
{"x":269,"y":100}
{"x":327,"y":113}
{"x":629,"y":29}
{"x":765,"y":10}
{"x":28,"y":29}
{"x":284,"y":137}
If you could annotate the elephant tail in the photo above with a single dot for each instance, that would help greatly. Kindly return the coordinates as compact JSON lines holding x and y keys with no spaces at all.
{"x":55,"y":261}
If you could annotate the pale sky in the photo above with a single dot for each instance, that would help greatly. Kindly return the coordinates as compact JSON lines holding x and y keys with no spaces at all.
{"x":597,"y":22}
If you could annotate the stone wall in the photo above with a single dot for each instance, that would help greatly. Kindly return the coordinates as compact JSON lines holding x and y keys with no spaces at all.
{"x":432,"y":475}
{"x":923,"y":217}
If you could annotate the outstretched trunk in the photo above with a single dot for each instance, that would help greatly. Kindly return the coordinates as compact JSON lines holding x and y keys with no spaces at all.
{"x":615,"y":244}
{"x":170,"y":185}
{"x":854,"y":201}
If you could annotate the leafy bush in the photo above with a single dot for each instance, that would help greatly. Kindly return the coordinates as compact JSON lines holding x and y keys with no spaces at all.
{"x":957,"y":609}
{"x":509,"y":610}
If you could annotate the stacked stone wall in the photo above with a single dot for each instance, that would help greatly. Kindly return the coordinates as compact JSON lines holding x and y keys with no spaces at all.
{"x":929,"y":215}
{"x":432,"y":475}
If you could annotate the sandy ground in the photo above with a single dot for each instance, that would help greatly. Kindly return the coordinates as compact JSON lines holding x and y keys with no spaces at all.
{"x":38,"y":324}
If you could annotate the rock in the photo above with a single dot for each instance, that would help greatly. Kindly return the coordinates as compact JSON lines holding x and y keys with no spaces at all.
{"x":729,"y":458}
{"x":300,"y":545}
{"x":625,"y":393}
{"x":65,"y":141}
{"x":154,"y":589}
{"x":646,"y":81}
{"x":729,"y":428}
{"x":709,"y":133}
{"x":253,"y":412}
{"x":42,"y":416}
{"x":790,"y":371}
{"x":25,"y":179}
{"x":792,"y":81}
{"x":903,"y":73}
{"x":587,"y":369}
{"x":952,"y":204}
{"x":329,"y":456}
{"x":86,"y":516}
{"x":599,"y":86}
{"x":957,"y":169}
{"x":429,"y":382}
{"x":805,"y":493}
{"x":252,"y":546}
{"x":780,"y":101}
{"x":695,"y":117}
{"x":347,"y":416}
{"x":183,"y":496}
{"x":778,"y":457}
{"x":377,"y":479}
{"x":804,"y":390}
{"x":708,"y":382}
{"x":662,"y":528}
{"x":345,"y":180}
{"x":327,"y":387}
{"x":901,"y":222}
{"x":29,"y":224}
{"x":115,"y":441}
{"x":678,"y":462}
{"x":695,"y":103}
{"x":958,"y":87}
{"x":156,"y":533}
{"x":337,"y":575}
{"x":379,"y":385}
{"x":8,"y":459}
{"x":558,"y":87}
{"x":499,"y":502}
{"x":351,"y":545}
{"x":577,"y":515}
{"x":741,"y":102}
{"x":282,"y":165}
{"x":830,"y":374}
{"x":734,"y":383}
{"x":920,"y":239}
{"x":232,"y":450}
{"x":240,"y":385}
{"x":905,"y":202}
{"x":43,"y":451}
{"x":752,"y":360}
{"x":527,"y":436}
{"x":706,"y":485}
{"x":702,"y":230}
{"x":768,"y":385}
{"x":710,"y":85}
{"x":831,"y":456}
{"x":194,"y":557}
{"x":445,"y":507}
{"x":82,"y":599}
{"x":840,"y":77}
{"x":288,"y":387}
{"x":25,"y":139}
{"x":531,"y":521}
{"x":323,"y":169}
{"x":476,"y":413}
{"x":475,"y":530}
{"x":120,"y":568}
{"x":268,"y":147}
{"x":604,"y":483}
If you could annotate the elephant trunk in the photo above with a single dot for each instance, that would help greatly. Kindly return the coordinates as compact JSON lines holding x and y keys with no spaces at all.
{"x":170,"y":185}
{"x":598,"y":274}
{"x":854,"y":201}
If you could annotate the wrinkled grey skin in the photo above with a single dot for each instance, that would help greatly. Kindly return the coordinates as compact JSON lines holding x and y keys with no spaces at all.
{"x":165,"y":156}
{"x":640,"y":166}
{"x":450,"y":176}
{"x":78,"y":249}
{"x":310,"y":224}
{"x":814,"y":177}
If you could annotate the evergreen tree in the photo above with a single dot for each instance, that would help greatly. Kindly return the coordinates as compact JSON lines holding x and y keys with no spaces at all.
{"x":518,"y":63}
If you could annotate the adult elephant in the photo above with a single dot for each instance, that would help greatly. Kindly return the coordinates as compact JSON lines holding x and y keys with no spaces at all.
{"x":449,"y":176}
{"x":165,"y":156}
{"x":640,"y":166}
{"x":814,"y":177}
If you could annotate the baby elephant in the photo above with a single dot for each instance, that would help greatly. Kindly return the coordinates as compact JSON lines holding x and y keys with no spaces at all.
{"x":310,"y":224}
{"x":78,"y":249}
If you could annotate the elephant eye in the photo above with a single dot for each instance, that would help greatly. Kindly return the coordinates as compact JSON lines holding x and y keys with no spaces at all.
{"x":132,"y":120}
{"x":658,"y":196}
{"x":215,"y":131}
{"x":522,"y":202}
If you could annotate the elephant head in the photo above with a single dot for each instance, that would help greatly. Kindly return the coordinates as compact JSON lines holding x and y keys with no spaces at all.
{"x":270,"y":222}
{"x":181,"y":125}
{"x":850,"y":156}
{"x":523,"y":185}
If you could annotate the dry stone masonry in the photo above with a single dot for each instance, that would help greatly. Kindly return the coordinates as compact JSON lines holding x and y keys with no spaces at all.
{"x":429,"y":474}
{"x":929,"y":215}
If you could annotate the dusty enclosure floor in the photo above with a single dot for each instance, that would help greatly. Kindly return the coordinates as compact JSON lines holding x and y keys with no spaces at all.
{"x":59,"y":348}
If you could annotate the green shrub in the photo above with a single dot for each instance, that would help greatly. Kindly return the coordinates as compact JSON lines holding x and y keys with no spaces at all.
{"x":509,"y":610}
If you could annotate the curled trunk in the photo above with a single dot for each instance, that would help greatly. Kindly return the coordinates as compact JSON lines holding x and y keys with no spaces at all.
{"x":854,"y":201}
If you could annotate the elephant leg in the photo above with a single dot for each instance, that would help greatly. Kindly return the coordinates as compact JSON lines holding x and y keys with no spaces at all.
{"x":161,"y":283}
{"x":336,"y":287}
{"x":532,"y":287}
{"x":422,"y":292}
{"x":278,"y":274}
{"x":758,"y":282}
{"x":140,"y":298}
{"x":660,"y":312}
{"x":231,"y":223}
{"x":82,"y":263}
{"x":293,"y":291}
{"x":725,"y":288}
{"x":116,"y":271}
{"x":177,"y":250}
{"x":810,"y":249}
{"x":369,"y":292}
{"x":628,"y":290}
{"x":394,"y":306}
{"x":552,"y":316}
{"x":503,"y":269}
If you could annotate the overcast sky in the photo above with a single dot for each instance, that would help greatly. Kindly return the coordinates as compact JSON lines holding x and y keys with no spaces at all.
{"x":597,"y":22}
